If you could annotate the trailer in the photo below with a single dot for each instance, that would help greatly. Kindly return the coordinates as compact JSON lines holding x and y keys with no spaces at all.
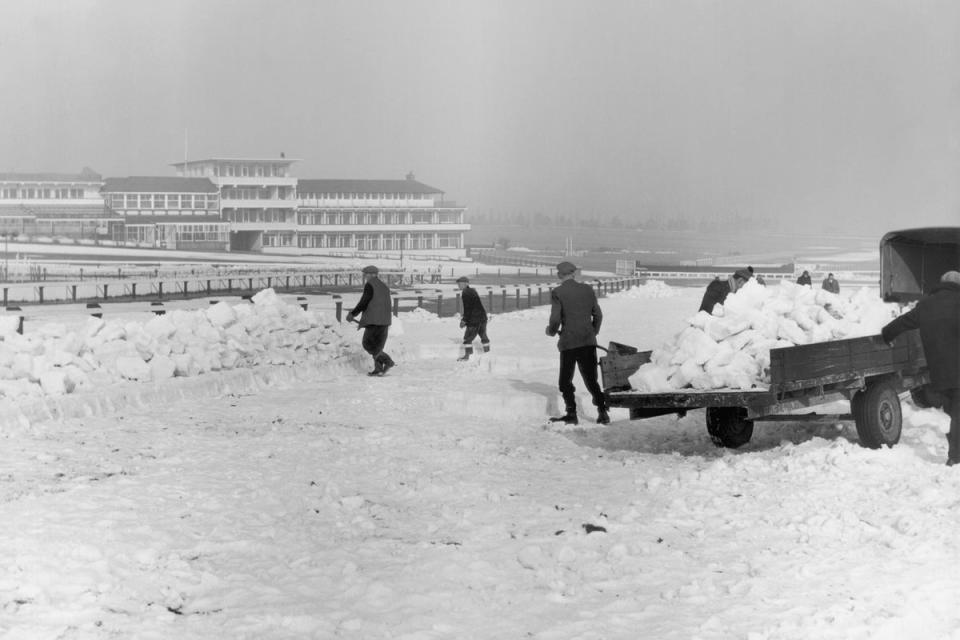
{"x":864,"y":373}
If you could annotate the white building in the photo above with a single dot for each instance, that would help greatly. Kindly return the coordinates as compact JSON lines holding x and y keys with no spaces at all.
{"x":55,"y":205}
{"x":168,"y":212}
{"x":258,"y":197}
{"x":378,"y":216}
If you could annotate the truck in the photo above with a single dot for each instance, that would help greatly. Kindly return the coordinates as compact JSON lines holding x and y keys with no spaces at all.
{"x":863,"y":374}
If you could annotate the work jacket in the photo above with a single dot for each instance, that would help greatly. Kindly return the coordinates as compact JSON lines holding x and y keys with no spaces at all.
{"x":374,"y":304}
{"x":574,"y":314}
{"x":937,"y":316}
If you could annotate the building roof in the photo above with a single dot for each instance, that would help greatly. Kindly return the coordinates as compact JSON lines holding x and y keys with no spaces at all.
{"x":189,"y":219}
{"x":86,"y":175}
{"x":158,"y":184}
{"x":365,"y":186}
{"x":280,"y":160}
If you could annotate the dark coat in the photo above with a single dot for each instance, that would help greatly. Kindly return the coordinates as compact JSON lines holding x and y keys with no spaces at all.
{"x":374,"y":304}
{"x":831,"y":285}
{"x":937,"y":316}
{"x":473,"y":311}
{"x":716,"y":293}
{"x":574,"y":314}
{"x":805,"y":279}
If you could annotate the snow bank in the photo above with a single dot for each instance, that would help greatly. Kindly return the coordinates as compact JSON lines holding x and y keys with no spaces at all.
{"x":55,"y":360}
{"x":731,"y":347}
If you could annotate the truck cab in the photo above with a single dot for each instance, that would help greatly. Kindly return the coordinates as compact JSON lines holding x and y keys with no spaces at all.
{"x":912,"y":261}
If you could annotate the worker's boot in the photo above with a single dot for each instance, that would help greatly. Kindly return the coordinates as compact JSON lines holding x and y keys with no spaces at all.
{"x":377,"y":369}
{"x":467,"y":352}
{"x":603,"y":417}
{"x":570,"y":417}
{"x":486,"y":347}
{"x":386,"y":362}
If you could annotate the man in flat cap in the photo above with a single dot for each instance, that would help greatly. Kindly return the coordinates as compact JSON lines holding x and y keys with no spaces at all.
{"x":375,"y":306}
{"x":576,"y":316}
{"x":718,"y":290}
{"x":830,"y":284}
{"x":937,"y":317}
{"x":474,"y":319}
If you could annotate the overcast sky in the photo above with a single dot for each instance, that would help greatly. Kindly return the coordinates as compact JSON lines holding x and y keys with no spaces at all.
{"x":817,"y":110}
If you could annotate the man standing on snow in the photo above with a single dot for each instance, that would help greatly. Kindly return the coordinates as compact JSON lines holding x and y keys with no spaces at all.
{"x":830,"y":284}
{"x":375,"y":306}
{"x":718,"y":290}
{"x":576,"y":316}
{"x":474,"y":319}
{"x":937,"y":316}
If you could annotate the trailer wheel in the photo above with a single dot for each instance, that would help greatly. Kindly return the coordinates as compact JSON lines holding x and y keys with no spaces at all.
{"x":728,"y":426}
{"x":876,"y":411}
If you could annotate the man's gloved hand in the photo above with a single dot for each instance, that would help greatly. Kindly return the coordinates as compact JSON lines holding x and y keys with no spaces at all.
{"x":350,"y":317}
{"x":463,"y":324}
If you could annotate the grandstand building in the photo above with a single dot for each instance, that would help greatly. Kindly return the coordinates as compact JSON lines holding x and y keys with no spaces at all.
{"x":167,"y":212}
{"x":378,"y":216}
{"x":52,"y":205}
{"x":240,"y":204}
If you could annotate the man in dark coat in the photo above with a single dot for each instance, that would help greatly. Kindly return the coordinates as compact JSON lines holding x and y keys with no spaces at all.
{"x":718,"y":290}
{"x":805,"y":278}
{"x":830,"y":284}
{"x":375,"y":306}
{"x":474,"y":318}
{"x":576,"y":316}
{"x":937,"y":316}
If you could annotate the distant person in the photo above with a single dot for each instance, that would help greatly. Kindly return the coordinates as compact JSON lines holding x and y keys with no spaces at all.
{"x":474,"y":319}
{"x":759,"y":279}
{"x":937,"y":316}
{"x":805,"y":279}
{"x":374,"y":304}
{"x":830,"y":284}
{"x":718,"y":290}
{"x":576,"y":316}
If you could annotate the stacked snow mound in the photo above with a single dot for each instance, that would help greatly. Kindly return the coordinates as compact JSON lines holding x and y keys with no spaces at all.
{"x":55,"y":359}
{"x":651,"y":289}
{"x":730,"y":349}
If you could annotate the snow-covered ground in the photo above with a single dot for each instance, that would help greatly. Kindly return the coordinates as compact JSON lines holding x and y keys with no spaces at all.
{"x":281,"y":493}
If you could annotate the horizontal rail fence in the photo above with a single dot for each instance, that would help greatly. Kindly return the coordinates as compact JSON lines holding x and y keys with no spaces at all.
{"x":503,"y":299}
{"x":187,"y":286}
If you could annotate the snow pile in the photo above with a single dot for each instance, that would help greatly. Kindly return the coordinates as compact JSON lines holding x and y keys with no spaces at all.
{"x":652,"y":289}
{"x":731,"y":347}
{"x":54,"y":359}
{"x":420,"y":315}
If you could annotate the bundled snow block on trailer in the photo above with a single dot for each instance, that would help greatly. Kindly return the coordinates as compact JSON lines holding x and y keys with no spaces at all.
{"x":794,"y":367}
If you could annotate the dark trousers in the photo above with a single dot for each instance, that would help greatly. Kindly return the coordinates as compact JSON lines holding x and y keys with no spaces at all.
{"x":473,"y":330}
{"x":585,"y":359}
{"x":374,"y":340}
{"x":951,"y":405}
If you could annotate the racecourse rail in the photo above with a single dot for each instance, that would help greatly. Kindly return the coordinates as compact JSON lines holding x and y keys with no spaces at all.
{"x":409,"y":292}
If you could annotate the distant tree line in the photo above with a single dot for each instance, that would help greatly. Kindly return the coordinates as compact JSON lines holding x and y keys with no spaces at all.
{"x":656,"y":223}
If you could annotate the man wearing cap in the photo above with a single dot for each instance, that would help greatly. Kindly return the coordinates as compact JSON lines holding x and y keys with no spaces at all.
{"x":937,"y":316}
{"x":576,"y":316}
{"x":375,"y":306}
{"x":718,"y":290}
{"x":830,"y":284}
{"x":474,"y":319}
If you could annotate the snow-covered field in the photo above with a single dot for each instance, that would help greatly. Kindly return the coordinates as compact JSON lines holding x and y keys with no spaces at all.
{"x":281,"y":493}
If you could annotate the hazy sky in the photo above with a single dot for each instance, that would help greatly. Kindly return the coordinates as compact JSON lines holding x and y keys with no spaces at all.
{"x":812,"y":109}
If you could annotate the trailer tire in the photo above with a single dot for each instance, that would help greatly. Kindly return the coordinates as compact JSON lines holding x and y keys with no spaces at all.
{"x":876,"y":411}
{"x":728,"y":426}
